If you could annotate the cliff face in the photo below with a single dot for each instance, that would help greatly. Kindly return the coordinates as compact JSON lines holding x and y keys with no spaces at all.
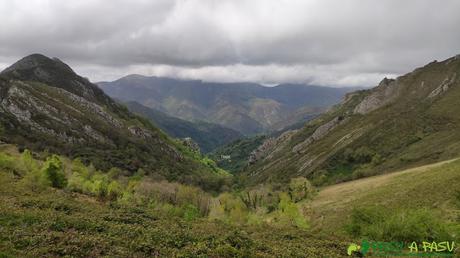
{"x":402,"y":121}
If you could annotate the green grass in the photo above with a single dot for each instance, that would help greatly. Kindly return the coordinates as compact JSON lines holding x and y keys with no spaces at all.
{"x":431,"y":187}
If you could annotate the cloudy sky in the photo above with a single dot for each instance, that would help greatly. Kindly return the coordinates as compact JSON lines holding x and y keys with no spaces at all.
{"x":323,"y":42}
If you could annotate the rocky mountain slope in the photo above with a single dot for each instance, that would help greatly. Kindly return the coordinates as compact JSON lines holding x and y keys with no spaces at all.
{"x":45,"y":106}
{"x":207,"y":135}
{"x":246,"y":107}
{"x":411,"y":120}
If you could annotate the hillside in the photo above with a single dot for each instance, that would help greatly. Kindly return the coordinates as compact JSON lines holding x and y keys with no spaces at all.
{"x":208,"y":136}
{"x":408,"y":121}
{"x":45,"y":106}
{"x":433,"y":187}
{"x":96,"y":214}
{"x":246,"y":107}
{"x":107,"y":214}
{"x":233,"y":157}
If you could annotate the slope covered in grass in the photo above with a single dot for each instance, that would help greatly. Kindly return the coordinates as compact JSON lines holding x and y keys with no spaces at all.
{"x":90,"y":215}
{"x":432,"y":187}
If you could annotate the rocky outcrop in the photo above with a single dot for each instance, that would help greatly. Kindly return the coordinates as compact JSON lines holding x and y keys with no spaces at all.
{"x":191,"y":144}
{"x":319,"y":133}
{"x":443,"y":87}
{"x":383,"y":94}
{"x":139,"y":132}
{"x":270,"y":146}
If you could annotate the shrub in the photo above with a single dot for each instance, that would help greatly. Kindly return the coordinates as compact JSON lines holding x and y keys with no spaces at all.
{"x":53,"y":171}
{"x":28,"y":163}
{"x":289,"y":213}
{"x":114,"y":190}
{"x":398,"y":225}
{"x":299,"y":189}
{"x":191,"y":212}
{"x":6,"y":161}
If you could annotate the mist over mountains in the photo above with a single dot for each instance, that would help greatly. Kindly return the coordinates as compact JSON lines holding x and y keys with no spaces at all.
{"x":246,"y":107}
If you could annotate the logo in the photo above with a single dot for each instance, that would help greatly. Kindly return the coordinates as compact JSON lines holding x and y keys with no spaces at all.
{"x":377,"y":248}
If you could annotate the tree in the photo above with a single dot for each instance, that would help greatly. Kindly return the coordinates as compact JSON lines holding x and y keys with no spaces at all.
{"x":53,"y":172}
{"x":299,"y":189}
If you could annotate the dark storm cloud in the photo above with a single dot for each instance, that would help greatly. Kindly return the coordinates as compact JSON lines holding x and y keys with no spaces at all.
{"x":353,"y":42}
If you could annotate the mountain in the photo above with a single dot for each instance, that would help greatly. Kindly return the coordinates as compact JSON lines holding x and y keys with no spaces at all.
{"x":208,"y":136}
{"x":246,"y":107}
{"x":46,"y":106}
{"x":408,"y":121}
{"x":233,"y":157}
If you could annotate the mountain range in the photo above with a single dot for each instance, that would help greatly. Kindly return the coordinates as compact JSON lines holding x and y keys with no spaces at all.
{"x":208,"y":136}
{"x":46,"y":106}
{"x":408,"y":121}
{"x":246,"y":107}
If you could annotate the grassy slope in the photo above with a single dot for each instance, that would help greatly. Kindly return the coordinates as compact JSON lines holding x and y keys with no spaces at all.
{"x":52,"y":223}
{"x":431,"y":186}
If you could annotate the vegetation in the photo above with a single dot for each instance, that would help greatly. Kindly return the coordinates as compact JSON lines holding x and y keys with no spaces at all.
{"x":410,"y":130}
{"x":234,"y":156}
{"x":70,"y":116}
{"x":411,"y":204}
{"x":89,"y":212}
{"x":406,"y":225}
{"x":207,"y":135}
{"x":110,"y":214}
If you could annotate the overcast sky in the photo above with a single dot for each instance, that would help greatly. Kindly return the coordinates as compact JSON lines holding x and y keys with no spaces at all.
{"x":323,"y":42}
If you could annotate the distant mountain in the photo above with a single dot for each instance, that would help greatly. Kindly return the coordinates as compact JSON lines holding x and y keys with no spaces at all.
{"x":208,"y":136}
{"x":408,"y":121}
{"x":46,"y":106}
{"x":246,"y":107}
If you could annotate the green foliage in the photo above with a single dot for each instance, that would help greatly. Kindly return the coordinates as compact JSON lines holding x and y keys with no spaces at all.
{"x":6,"y":161}
{"x":191,"y":212}
{"x":289,"y":213}
{"x":28,"y":162}
{"x":401,"y":225}
{"x":53,"y":172}
{"x":300,"y":189}
{"x":238,"y":151}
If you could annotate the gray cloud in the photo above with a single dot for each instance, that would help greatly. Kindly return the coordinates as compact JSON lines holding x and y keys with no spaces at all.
{"x":326,"y":42}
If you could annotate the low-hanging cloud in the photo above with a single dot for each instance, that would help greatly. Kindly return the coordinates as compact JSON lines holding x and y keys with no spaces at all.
{"x":325,"y":42}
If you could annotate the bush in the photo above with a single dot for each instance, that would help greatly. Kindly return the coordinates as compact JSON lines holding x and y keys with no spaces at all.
{"x":191,"y":212}
{"x":289,"y":213}
{"x":28,"y":163}
{"x":6,"y":161}
{"x":53,"y":171}
{"x":399,"y":225}
{"x":299,"y":189}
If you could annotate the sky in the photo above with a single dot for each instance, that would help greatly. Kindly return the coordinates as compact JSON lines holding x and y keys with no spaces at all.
{"x":321,"y":42}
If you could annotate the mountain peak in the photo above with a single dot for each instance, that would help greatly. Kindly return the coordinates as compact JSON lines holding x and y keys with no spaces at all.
{"x":53,"y":72}
{"x":35,"y":61}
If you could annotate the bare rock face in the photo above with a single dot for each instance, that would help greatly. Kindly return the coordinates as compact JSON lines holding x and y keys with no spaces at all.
{"x":260,"y":152}
{"x":384,"y":93}
{"x":443,"y":87}
{"x":319,"y":133}
{"x":270,"y":146}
